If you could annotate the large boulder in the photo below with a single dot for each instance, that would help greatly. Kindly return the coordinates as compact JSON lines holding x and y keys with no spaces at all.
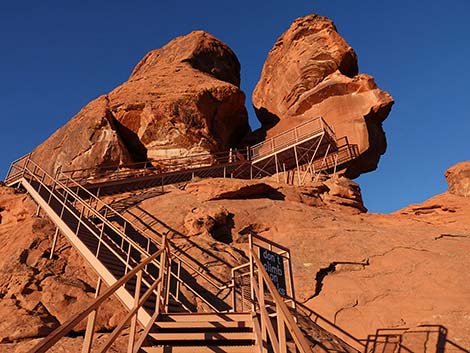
{"x":458,"y":178}
{"x":311,"y":71}
{"x":180,"y":100}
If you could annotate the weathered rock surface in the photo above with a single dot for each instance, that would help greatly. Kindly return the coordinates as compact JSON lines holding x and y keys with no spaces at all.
{"x":181,"y":99}
{"x":38,"y":294}
{"x":311,"y":71}
{"x":458,"y":178}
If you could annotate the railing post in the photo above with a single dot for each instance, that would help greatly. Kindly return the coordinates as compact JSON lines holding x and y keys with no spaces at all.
{"x":54,"y":242}
{"x":128,"y":258}
{"x":234,"y":299}
{"x":63,"y":204}
{"x":130,"y":347}
{"x":80,"y":220}
{"x":281,"y":332}
{"x":161,"y":273}
{"x":90,"y":325}
{"x":54,"y":183}
{"x":252,"y":275}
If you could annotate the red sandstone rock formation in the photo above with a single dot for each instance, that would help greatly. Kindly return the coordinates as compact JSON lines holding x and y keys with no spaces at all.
{"x":37,"y":294}
{"x":458,"y":178}
{"x":311,"y":71}
{"x":181,"y":99}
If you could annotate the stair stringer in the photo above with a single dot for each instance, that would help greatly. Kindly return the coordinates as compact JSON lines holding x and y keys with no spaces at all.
{"x":123,"y":295}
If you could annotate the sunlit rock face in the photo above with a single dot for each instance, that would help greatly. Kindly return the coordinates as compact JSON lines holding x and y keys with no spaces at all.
{"x":311,"y":71}
{"x":181,"y":99}
{"x":458,"y":178}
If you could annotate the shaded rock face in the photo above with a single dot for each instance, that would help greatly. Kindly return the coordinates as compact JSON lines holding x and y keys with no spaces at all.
{"x":180,"y":100}
{"x":458,"y":178}
{"x":311,"y":71}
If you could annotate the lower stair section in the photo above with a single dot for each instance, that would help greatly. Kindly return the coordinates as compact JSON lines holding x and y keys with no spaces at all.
{"x":200,"y":332}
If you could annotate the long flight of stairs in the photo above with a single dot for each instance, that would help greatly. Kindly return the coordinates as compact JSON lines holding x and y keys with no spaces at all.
{"x":201,"y":333}
{"x":109,"y":246}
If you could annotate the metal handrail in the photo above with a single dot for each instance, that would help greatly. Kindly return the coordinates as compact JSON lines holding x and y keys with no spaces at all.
{"x":178,"y":254}
{"x":94,"y":211}
{"x":65,"y":328}
{"x":10,"y":174}
{"x":70,"y":193}
{"x":293,"y":135}
{"x":323,"y":322}
{"x":283,"y":316}
{"x":220,"y":286}
{"x":162,"y":165}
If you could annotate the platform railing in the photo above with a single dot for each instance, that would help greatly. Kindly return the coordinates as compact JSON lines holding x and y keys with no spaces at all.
{"x":157,"y":167}
{"x":290,"y":137}
{"x":17,"y":168}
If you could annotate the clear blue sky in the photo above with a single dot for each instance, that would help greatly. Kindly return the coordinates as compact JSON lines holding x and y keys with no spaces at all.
{"x":58,"y":55}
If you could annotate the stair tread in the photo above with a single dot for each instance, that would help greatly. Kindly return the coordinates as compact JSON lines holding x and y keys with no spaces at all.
{"x":203,"y":324}
{"x":201,"y":336}
{"x":206,"y":317}
{"x":200,"y":349}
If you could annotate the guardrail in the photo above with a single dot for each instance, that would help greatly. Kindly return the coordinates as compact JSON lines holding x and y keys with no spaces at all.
{"x":146,"y":243}
{"x":269,"y":296}
{"x":91,"y":310}
{"x":289,"y":137}
{"x":283,"y":319}
{"x":108,"y":238}
{"x":157,"y":167}
{"x":91,"y":206}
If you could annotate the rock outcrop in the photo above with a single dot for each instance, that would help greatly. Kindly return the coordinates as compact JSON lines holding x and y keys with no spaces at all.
{"x":311,"y":71}
{"x":458,"y":178}
{"x":37,"y":293}
{"x":180,"y":100}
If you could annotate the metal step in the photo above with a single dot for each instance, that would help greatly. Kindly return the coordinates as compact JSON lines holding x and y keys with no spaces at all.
{"x":181,"y":337}
{"x":202,"y":325}
{"x":200,"y":349}
{"x":201,"y":317}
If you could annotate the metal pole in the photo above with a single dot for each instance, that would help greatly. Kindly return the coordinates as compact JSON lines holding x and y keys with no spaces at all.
{"x":54,"y":242}
{"x":277,"y":167}
{"x":90,"y":325}
{"x":281,"y":332}
{"x":130,"y":347}
{"x":297,"y":163}
{"x":252,"y":275}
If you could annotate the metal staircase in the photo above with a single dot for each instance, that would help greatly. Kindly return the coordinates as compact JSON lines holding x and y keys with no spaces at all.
{"x":204,"y":332}
{"x":147,"y":272}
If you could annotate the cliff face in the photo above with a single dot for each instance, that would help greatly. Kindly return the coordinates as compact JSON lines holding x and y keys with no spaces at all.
{"x":181,"y":99}
{"x":311,"y":71}
{"x":37,"y":294}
